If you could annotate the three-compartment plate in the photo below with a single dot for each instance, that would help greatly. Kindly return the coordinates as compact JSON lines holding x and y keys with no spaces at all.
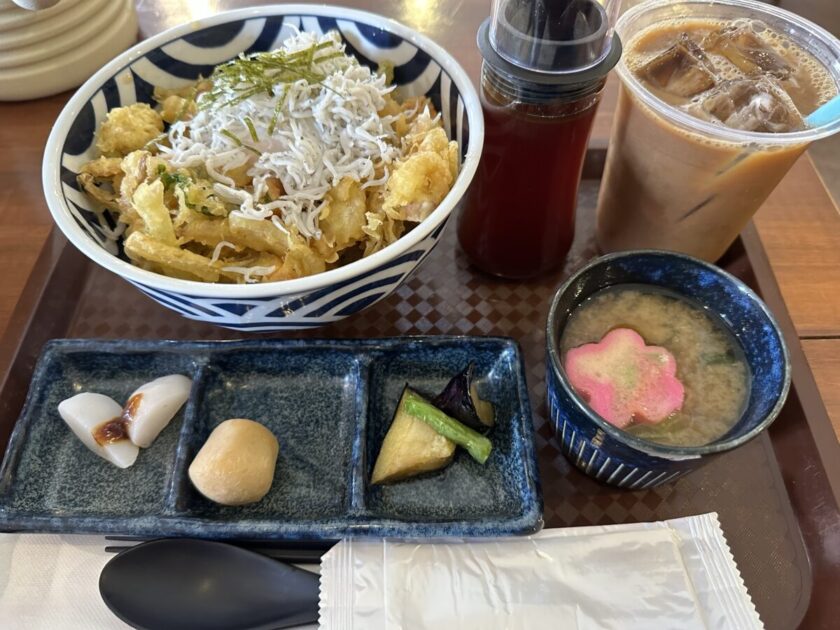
{"x":329,"y":402}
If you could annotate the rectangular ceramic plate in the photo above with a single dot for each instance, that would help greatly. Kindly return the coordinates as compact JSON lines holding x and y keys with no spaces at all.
{"x":329,"y":402}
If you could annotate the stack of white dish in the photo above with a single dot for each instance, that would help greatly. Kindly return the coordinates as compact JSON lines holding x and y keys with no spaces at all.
{"x":48,"y":51}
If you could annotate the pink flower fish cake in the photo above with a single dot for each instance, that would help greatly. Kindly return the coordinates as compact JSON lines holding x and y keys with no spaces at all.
{"x":624,"y":380}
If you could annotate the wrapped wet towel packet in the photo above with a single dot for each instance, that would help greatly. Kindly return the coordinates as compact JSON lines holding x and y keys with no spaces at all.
{"x":673,"y":574}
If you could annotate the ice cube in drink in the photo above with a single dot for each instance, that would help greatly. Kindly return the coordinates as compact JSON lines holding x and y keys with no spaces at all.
{"x":682,"y":70}
{"x":749,"y":104}
{"x":743,"y":45}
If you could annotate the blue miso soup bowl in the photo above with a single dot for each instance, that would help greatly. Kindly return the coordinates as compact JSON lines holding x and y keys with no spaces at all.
{"x":618,"y":458}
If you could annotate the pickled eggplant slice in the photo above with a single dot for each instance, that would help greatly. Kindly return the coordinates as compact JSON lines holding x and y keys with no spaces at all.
{"x":484,"y":409}
{"x":411,"y":447}
{"x":478,"y":446}
{"x":460,"y":400}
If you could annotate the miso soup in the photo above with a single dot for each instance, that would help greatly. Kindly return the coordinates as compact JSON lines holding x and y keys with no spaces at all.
{"x":710,"y":362}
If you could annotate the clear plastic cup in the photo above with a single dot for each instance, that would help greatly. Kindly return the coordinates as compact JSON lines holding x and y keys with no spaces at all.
{"x":676,"y":182}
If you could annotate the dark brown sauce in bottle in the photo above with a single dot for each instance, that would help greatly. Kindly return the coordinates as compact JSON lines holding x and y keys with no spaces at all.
{"x":519,"y":218}
{"x":544,"y":69}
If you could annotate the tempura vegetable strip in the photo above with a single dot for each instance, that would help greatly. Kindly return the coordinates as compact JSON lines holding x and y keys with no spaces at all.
{"x":148,"y":201}
{"x":259,"y":235}
{"x":143,"y":248}
{"x":197,"y":228}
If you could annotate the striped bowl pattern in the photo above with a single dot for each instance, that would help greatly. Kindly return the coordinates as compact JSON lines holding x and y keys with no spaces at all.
{"x":601,"y":456}
{"x":178,"y":57}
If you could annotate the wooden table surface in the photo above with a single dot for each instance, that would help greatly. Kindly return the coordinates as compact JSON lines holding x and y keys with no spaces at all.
{"x":799,"y":224}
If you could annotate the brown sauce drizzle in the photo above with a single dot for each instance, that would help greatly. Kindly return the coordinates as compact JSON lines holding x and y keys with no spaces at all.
{"x":130,"y":409}
{"x":116,"y":429}
{"x":113,"y":430}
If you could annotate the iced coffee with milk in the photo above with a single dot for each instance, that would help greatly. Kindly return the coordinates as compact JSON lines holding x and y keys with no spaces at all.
{"x":712,"y":113}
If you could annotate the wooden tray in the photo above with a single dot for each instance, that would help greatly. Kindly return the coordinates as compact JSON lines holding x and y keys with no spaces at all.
{"x":776,"y":496}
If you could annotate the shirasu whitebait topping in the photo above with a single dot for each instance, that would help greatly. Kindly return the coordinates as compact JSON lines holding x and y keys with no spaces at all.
{"x":249,"y":273}
{"x":217,"y":251}
{"x":308,"y":124}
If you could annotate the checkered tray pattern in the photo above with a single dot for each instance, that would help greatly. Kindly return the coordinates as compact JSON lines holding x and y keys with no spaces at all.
{"x":446,"y":296}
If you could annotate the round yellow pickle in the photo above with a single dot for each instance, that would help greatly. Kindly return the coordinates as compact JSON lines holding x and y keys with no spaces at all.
{"x":236,"y":464}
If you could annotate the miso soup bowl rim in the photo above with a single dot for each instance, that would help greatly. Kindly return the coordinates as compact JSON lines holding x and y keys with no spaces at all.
{"x":647,"y":446}
{"x":721,"y":132}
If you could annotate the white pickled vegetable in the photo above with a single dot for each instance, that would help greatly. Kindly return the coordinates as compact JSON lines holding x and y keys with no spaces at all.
{"x":153,"y":405}
{"x":236,"y":464}
{"x":97,"y":421}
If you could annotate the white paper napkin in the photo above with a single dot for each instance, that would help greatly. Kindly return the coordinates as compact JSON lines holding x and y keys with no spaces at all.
{"x":51,"y":582}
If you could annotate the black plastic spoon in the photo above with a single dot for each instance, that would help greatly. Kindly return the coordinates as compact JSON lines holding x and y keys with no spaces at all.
{"x":184,"y":584}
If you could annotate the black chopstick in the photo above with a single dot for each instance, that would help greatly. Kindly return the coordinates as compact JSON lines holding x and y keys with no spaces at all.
{"x":296,"y":553}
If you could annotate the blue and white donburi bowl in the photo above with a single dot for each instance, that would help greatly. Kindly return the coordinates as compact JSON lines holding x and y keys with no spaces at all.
{"x":618,"y":458}
{"x":176,"y":58}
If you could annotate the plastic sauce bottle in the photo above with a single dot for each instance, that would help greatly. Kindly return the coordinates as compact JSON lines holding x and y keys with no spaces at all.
{"x":544,"y":69}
